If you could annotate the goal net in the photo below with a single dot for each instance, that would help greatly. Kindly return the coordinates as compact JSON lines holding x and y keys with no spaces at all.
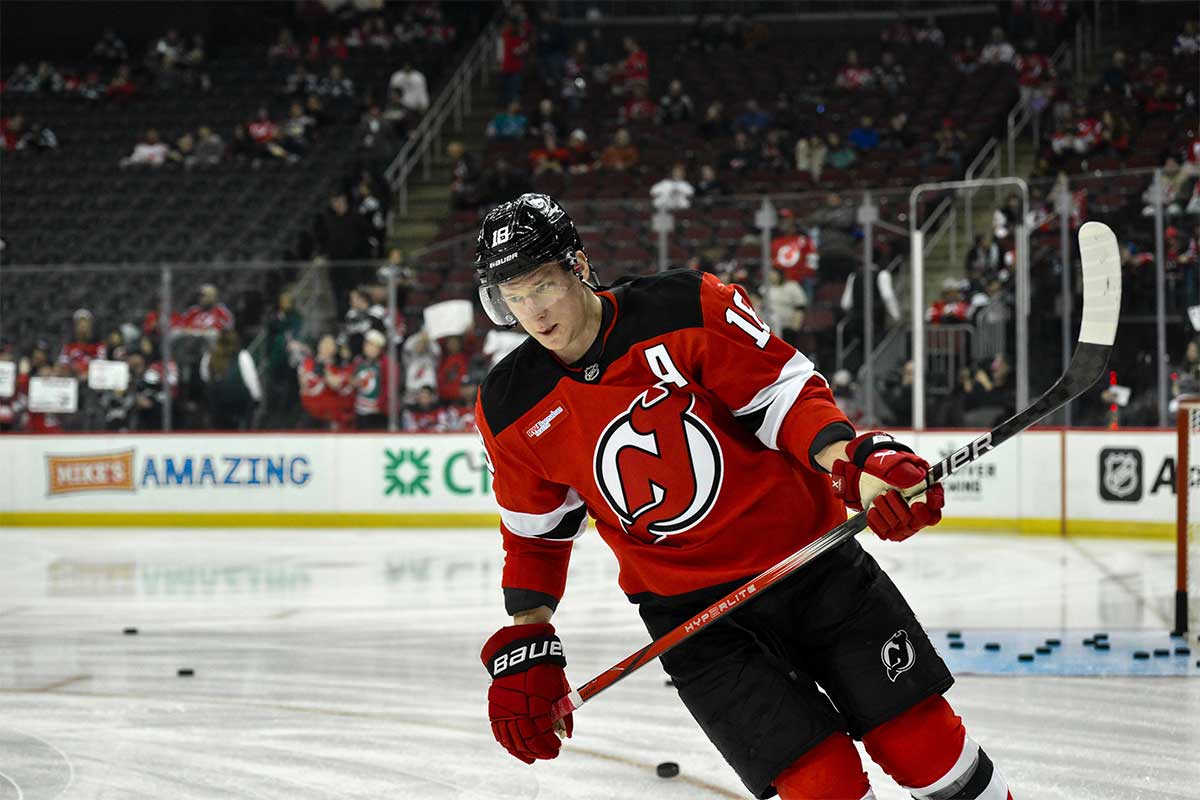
{"x":1187,"y":477}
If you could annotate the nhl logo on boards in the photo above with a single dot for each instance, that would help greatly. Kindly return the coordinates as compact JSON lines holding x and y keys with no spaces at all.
{"x":897,"y":655}
{"x":1121,"y":474}
{"x":591,"y":373}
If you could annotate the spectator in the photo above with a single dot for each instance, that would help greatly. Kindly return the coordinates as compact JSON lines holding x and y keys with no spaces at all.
{"x":837,"y":154}
{"x":673,"y":193}
{"x":210,"y":149}
{"x":1187,"y":43}
{"x":232,"y":387}
{"x":453,"y":366}
{"x":635,"y":69}
{"x":264,"y":133}
{"x":675,"y":106}
{"x":898,"y":395}
{"x":864,"y":138}
{"x":184,"y":153}
{"x":550,"y":157}
{"x":710,"y":185}
{"x":929,"y":34}
{"x":342,"y":236}
{"x":423,"y":414}
{"x":811,"y":155}
{"x":149,"y":152}
{"x":421,"y":358}
{"x":639,"y":107}
{"x":295,"y":132}
{"x":336,"y":86}
{"x":409,"y":82}
{"x":853,"y":76}
{"x":1177,"y":185}
{"x":511,"y":50}
{"x":300,"y":81}
{"x":966,"y":59}
{"x":948,"y":143}
{"x":375,"y":137}
{"x":464,"y":177}
{"x":1160,"y":103}
{"x":575,"y":72}
{"x":326,"y":387}
{"x":581,"y":159}
{"x":547,"y":119}
{"x":990,"y":398}
{"x":283,"y":353}
{"x":361,"y":317}
{"x":91,"y":88}
{"x":80,"y":351}
{"x":714,"y":125}
{"x":794,"y":253}
{"x":551,"y":47}
{"x":1114,"y":135}
{"x":1115,"y":78}
{"x":889,"y":75}
{"x":898,"y":135}
{"x":753,"y":120}
{"x":1035,"y":76}
{"x":371,"y":372}
{"x":951,"y":307}
{"x":621,"y":155}
{"x":786,"y":304}
{"x":998,"y":50}
{"x":284,"y":48}
{"x":502,"y":183}
{"x":508,"y":124}
{"x":1006,"y":218}
{"x":459,"y":416}
{"x":771,"y":156}
{"x":111,"y":48}
{"x":742,"y":157}
{"x":146,"y":381}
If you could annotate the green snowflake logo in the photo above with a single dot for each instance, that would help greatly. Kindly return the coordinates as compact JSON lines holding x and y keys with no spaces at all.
{"x":406,"y":472}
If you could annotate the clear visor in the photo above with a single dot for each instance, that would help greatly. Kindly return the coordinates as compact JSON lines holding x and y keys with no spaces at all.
{"x":523,"y":296}
{"x":497,"y":310}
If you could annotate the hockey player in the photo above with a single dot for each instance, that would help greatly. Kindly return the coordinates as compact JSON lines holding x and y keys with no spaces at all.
{"x":707,"y":450}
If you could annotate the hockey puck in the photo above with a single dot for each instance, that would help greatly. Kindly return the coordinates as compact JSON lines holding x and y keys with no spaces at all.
{"x":953,"y":634}
{"x":667,"y":769}
{"x":1088,"y":642}
{"x":668,"y":682}
{"x":1183,"y":651}
{"x":185,"y":672}
{"x":1161,"y":651}
{"x":957,"y":645}
{"x":993,"y":646}
{"x":1043,"y":651}
{"x":1054,"y":642}
{"x":1140,"y":655}
{"x":1103,"y":646}
{"x":1025,"y":657}
{"x":1100,"y":636}
{"x":130,"y":631}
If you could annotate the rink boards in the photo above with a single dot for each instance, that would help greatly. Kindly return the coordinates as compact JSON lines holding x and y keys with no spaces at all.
{"x":1086,"y":482}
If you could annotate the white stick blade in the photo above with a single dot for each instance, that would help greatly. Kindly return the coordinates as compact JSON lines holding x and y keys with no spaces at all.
{"x":1101,"y":259}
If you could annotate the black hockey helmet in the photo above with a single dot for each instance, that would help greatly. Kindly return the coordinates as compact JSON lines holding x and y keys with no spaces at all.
{"x":516,"y":238}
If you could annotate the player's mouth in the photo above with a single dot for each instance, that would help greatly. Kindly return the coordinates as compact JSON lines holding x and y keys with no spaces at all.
{"x":548,"y":331}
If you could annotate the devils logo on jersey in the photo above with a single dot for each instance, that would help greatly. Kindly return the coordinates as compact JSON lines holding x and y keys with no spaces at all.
{"x":658,"y":465}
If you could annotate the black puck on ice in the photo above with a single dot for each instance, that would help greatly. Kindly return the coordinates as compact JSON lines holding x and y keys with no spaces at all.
{"x":1043,"y":651}
{"x":1088,"y":642}
{"x":667,"y":769}
{"x":1103,"y":646}
{"x":1183,"y":651}
{"x":1025,"y":657}
{"x":1161,"y":651}
{"x":130,"y":631}
{"x":993,"y":646}
{"x":957,"y":645}
{"x":1140,"y":654}
{"x":1100,"y":636}
{"x":1054,"y":642}
{"x":953,"y":634}
{"x":185,"y":672}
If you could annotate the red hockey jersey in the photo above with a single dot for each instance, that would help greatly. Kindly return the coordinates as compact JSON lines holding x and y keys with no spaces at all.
{"x":687,"y":432}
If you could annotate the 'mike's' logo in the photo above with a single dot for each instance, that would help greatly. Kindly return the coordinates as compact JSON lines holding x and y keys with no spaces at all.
{"x":1121,"y":474}
{"x":658,"y":465}
{"x":104,"y":472}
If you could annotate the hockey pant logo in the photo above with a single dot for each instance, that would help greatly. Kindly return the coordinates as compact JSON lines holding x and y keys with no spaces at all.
{"x":897,"y":655}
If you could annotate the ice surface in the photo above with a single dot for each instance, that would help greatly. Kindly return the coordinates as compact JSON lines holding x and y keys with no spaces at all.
{"x":344,"y":664}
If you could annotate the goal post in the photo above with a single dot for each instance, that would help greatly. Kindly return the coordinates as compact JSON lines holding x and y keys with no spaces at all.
{"x":1187,"y":515}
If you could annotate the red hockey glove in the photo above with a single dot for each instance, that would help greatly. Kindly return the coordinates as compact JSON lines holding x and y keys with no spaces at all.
{"x":526,"y":664}
{"x":876,"y":467}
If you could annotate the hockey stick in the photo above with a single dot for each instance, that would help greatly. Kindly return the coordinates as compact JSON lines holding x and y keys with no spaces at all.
{"x":1101,"y":262}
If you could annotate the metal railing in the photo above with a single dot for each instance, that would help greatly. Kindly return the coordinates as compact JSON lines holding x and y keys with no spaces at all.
{"x":424,"y":143}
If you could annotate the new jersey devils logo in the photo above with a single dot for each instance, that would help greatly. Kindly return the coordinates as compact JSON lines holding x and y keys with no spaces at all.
{"x":897,"y":655}
{"x":659,"y":465}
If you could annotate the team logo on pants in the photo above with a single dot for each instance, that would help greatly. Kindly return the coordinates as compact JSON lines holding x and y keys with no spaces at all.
{"x":897,"y":655}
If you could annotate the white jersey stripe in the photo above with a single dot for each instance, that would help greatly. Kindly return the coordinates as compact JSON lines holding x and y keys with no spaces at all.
{"x":777,"y":398}
{"x":533,"y":526}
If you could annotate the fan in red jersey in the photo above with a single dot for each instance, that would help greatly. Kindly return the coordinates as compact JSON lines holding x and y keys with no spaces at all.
{"x":326,"y":388}
{"x":707,"y":450}
{"x":80,"y":351}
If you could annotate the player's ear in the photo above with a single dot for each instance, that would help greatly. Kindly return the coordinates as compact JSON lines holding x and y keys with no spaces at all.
{"x":583,"y":270}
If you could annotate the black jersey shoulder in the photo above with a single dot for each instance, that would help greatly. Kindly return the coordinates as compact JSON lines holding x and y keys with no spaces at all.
{"x":517,"y":384}
{"x":647,"y":306}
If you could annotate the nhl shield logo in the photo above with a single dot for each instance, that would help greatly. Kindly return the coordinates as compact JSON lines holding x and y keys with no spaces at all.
{"x":897,"y":655}
{"x":591,"y":373}
{"x":1121,"y":474}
